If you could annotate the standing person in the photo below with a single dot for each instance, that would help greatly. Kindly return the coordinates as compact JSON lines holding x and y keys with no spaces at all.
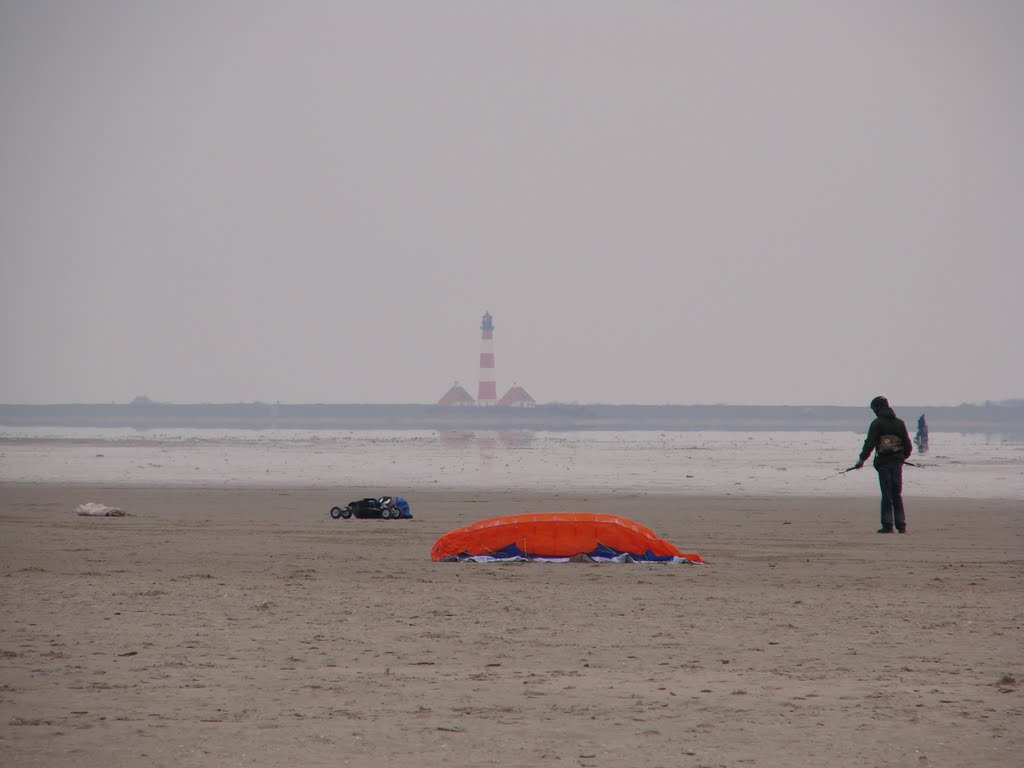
{"x":889,"y":439}
{"x":921,"y":438}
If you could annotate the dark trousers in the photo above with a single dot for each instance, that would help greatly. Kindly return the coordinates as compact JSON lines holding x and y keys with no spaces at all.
{"x":890,"y":480}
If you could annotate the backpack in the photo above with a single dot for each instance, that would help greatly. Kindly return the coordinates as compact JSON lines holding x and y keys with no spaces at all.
{"x":889,"y":445}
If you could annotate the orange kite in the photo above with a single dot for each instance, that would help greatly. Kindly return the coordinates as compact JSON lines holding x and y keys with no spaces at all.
{"x":558,"y":537}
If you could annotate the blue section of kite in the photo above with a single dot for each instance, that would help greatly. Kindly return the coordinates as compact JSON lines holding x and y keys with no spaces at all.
{"x":601,"y":554}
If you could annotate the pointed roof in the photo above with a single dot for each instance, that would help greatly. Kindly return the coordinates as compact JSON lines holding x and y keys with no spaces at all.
{"x":456,"y":396}
{"x":517,"y":396}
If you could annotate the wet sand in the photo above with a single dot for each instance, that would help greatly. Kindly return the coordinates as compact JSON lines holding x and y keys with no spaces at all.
{"x":243,"y":626}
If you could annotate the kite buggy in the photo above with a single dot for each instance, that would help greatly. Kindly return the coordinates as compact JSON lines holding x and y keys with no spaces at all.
{"x":382,"y":508}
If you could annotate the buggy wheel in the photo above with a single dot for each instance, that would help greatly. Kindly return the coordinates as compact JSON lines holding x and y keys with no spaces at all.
{"x":336,"y":512}
{"x":385,"y":513}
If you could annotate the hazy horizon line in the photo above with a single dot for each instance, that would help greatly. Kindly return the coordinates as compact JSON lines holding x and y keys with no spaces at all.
{"x":145,"y":401}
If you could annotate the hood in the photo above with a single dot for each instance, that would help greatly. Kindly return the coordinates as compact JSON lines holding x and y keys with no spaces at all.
{"x":886,"y":413}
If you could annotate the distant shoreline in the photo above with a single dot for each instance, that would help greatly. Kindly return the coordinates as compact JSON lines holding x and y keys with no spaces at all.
{"x":989,"y":418}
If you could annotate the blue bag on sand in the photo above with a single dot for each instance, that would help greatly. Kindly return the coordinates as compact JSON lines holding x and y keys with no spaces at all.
{"x":403,"y":505}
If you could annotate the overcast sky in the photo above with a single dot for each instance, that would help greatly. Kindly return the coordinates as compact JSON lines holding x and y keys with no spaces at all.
{"x":659,"y":202}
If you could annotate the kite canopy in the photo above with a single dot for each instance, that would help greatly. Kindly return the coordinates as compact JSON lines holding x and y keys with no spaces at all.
{"x":558,"y":537}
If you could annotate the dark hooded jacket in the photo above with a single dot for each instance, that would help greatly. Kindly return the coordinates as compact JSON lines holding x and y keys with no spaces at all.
{"x":885,"y":424}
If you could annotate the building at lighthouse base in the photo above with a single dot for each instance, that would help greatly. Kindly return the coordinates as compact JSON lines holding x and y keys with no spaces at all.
{"x":517,"y":397}
{"x":456,"y":396}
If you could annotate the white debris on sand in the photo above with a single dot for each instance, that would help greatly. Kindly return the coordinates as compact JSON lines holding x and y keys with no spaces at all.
{"x":92,"y":509}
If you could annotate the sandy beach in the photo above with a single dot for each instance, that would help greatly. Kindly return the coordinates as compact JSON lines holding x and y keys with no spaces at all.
{"x":243,"y":626}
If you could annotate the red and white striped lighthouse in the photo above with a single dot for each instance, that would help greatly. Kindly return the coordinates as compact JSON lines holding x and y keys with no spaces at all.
{"x":487,"y":393}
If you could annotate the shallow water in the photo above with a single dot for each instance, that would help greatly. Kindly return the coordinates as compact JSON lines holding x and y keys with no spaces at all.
{"x":739,"y":463}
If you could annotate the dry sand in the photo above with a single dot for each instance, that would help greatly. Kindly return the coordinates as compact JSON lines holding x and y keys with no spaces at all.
{"x":245,"y":627}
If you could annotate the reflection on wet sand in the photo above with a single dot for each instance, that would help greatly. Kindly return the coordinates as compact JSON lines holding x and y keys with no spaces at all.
{"x":727,"y":463}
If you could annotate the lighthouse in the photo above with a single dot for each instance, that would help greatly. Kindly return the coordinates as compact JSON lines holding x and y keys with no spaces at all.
{"x":487,"y":393}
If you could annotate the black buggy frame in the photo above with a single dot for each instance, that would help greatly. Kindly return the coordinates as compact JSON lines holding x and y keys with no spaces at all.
{"x":383,"y":508}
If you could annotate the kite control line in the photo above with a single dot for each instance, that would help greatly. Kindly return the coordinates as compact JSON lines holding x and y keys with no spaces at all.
{"x":843,"y":472}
